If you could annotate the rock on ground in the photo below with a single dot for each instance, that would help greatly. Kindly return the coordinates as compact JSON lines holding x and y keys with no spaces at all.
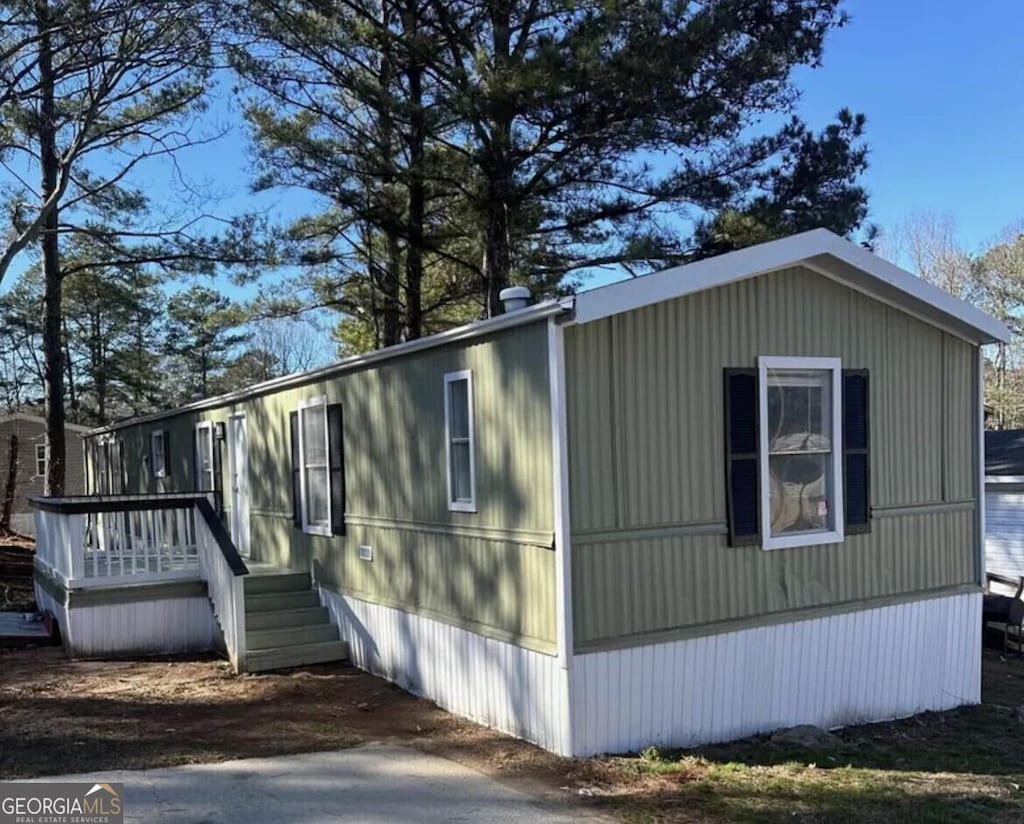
{"x":807,"y":737}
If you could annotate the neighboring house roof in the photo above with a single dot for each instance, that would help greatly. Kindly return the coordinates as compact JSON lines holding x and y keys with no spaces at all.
{"x":1004,"y":452}
{"x":819,"y":249}
{"x":20,"y":416}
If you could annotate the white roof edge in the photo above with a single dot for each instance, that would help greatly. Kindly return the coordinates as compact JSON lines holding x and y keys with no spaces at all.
{"x":779,"y":254}
{"x":24,"y":416}
{"x":467,"y":331}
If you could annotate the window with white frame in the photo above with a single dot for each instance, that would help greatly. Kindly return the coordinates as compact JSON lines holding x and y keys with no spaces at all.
{"x":801,"y":451}
{"x":205,"y":467}
{"x":40,"y":460}
{"x":459,"y":443}
{"x":314,"y":467}
{"x":158,"y":454}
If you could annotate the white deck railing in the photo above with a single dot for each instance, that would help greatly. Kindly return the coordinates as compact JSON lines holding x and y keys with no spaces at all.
{"x":104,"y":540}
{"x":114,"y":540}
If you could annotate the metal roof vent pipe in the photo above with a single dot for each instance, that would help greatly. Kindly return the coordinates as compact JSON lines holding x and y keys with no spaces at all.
{"x":514,"y":298}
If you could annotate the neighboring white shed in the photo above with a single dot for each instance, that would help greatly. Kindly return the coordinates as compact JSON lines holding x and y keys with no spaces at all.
{"x":1004,"y":502}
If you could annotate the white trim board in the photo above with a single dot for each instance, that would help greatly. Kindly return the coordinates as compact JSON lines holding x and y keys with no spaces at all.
{"x":304,"y":407}
{"x":197,"y":457}
{"x":460,"y":504}
{"x":822,"y":250}
{"x":560,"y":490}
{"x":834,"y":367}
{"x":872,"y":665}
{"x":979,"y":456}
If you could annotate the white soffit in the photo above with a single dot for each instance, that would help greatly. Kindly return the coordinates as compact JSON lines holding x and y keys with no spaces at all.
{"x":818,"y":249}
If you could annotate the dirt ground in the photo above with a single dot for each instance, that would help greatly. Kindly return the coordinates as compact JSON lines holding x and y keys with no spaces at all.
{"x":58,"y":716}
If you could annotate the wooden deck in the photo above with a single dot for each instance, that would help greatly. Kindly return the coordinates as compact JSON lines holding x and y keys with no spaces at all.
{"x":100,"y":564}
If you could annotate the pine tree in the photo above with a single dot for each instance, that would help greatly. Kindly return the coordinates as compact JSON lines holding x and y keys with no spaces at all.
{"x":88,"y":91}
{"x":464,"y":144}
{"x":202,"y":338}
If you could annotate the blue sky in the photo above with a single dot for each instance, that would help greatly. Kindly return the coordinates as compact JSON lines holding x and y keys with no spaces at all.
{"x":942,"y":85}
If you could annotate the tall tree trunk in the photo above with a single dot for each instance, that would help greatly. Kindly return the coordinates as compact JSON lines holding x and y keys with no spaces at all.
{"x":499,"y":168}
{"x":11,"y":487}
{"x":497,"y":246}
{"x":69,"y":366}
{"x":1001,"y":385}
{"x":417,"y":187}
{"x":139,"y":382}
{"x":392,"y":289}
{"x":392,"y":286}
{"x":366,"y":233}
{"x":53,"y":352}
{"x":99,"y":367}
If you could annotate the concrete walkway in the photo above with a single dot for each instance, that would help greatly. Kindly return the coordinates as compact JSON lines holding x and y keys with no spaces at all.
{"x":371,"y":785}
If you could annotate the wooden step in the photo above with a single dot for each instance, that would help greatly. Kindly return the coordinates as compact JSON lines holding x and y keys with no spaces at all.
{"x":283,"y":582}
{"x":281,"y":600}
{"x":283,"y":636}
{"x":296,"y":655}
{"x":279,"y":618}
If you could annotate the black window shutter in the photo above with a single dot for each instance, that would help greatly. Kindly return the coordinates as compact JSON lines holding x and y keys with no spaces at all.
{"x":742,"y":474}
{"x":167,"y":454}
{"x":293,"y":421}
{"x":856,"y":451}
{"x":336,"y":462}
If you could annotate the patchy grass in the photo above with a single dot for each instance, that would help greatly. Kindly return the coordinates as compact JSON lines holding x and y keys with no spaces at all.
{"x":966,"y":765}
{"x":937,"y":768}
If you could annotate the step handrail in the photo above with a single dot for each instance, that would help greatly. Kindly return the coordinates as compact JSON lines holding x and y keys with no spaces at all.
{"x":88,"y":504}
{"x":224,"y":571}
{"x":220,"y":535}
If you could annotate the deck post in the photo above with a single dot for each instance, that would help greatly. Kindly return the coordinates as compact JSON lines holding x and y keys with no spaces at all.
{"x":70,"y":531}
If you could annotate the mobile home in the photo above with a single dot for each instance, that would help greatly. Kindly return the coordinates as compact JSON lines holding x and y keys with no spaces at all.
{"x":1004,"y":502}
{"x":724,"y":498}
{"x":24,"y":458}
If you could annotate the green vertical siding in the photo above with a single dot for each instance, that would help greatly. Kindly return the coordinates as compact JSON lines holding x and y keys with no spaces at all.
{"x":492,"y":570}
{"x":647,"y":484}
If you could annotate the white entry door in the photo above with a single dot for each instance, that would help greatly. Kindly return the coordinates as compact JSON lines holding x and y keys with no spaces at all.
{"x":238,"y":443}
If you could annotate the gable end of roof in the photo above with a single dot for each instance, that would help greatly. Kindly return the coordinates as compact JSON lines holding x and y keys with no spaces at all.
{"x":819,"y":249}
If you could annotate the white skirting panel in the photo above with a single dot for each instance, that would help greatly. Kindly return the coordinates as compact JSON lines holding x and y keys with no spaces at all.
{"x":871,"y":665}
{"x":146,"y":627}
{"x":518,"y":691}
